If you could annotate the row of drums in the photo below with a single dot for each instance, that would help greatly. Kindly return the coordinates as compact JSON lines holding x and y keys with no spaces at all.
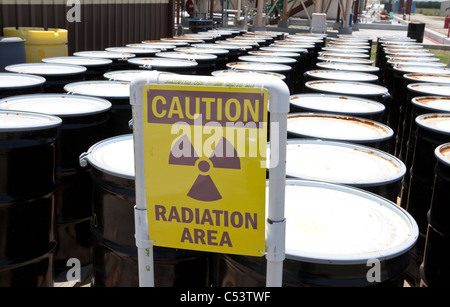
{"x":420,"y":88}
{"x":343,"y":178}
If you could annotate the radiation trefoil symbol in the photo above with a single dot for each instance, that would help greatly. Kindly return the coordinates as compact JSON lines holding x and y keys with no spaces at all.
{"x":204,"y":188}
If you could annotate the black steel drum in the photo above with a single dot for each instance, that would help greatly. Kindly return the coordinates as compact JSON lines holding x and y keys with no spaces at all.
{"x":116,"y":92}
{"x":81,"y":116}
{"x":334,"y":235}
{"x":113,"y":228}
{"x":27,"y":186}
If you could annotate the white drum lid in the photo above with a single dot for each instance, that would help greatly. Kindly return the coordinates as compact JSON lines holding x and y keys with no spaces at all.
{"x":433,"y":103}
{"x":24,"y":121}
{"x":348,"y":45}
{"x":347,"y":87}
{"x":385,"y":46}
{"x":344,"y":50}
{"x":267,"y":59}
{"x":114,"y":156}
{"x":166,"y":42}
{"x":241,"y":44}
{"x":438,"y":89}
{"x":341,"y":162}
{"x":196,"y":56}
{"x":277,"y":53}
{"x":337,"y":104}
{"x":106,"y":89}
{"x":284,"y":49}
{"x":301,"y":39}
{"x":218,"y":46}
{"x":122,"y":75}
{"x":16,"y":80}
{"x":427,"y":77}
{"x":348,"y":66}
{"x":105,"y":54}
{"x":291,"y":44}
{"x":338,"y":127}
{"x":422,"y":69}
{"x":394,"y":50}
{"x":160,"y":62}
{"x":159,"y":45}
{"x":246,"y":72}
{"x":181,"y":41}
{"x":415,"y":63}
{"x":344,"y":54}
{"x":349,"y":40}
{"x":46,"y":69}
{"x":132,"y":50}
{"x":334,"y":224}
{"x":342,"y":75}
{"x":78,"y":60}
{"x":243,"y":41}
{"x":259,"y":66}
{"x":344,"y":59}
{"x":442,"y":152}
{"x":199,"y":49}
{"x":409,"y":58}
{"x":416,"y":54}
{"x":437,"y":122}
{"x":56,"y":104}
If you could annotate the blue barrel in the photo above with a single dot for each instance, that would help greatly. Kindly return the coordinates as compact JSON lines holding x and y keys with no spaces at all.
{"x":12,"y":50}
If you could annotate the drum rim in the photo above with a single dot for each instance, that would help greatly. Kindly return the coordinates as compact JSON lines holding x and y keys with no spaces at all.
{"x":226,"y":71}
{"x":420,"y":121}
{"x":106,"y":104}
{"x":120,"y":55}
{"x":267,"y":59}
{"x":335,"y":96}
{"x":79,"y":69}
{"x":70,"y":86}
{"x":383,"y":90}
{"x":350,"y":65}
{"x":412,"y":86}
{"x":438,"y":153}
{"x":388,"y":135}
{"x":361,"y":258}
{"x":105,"y":168}
{"x":415,"y":101}
{"x":282,"y":67}
{"x":139,"y":61}
{"x":41,"y":80}
{"x":356,"y":73}
{"x":363,"y":148}
{"x":49,"y":121}
{"x":103,"y":60}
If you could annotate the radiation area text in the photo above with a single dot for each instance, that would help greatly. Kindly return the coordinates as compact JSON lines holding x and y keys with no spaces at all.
{"x":210,"y":223}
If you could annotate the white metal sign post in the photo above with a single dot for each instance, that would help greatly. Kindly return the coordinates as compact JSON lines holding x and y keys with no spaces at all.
{"x":277,"y":93}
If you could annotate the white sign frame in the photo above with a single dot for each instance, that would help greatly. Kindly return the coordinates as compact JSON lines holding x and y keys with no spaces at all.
{"x":279,"y":98}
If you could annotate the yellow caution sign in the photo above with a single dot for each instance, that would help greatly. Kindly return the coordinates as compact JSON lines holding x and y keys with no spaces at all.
{"x":205,"y":167}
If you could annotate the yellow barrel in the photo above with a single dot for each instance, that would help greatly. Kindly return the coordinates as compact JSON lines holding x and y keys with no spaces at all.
{"x":39,"y":42}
